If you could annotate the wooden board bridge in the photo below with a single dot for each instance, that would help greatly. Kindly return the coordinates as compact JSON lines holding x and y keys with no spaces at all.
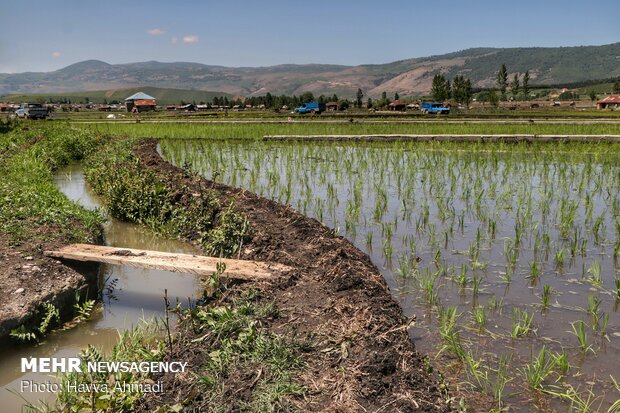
{"x":187,"y":263}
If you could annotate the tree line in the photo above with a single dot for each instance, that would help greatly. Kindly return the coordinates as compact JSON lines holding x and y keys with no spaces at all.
{"x":459,"y":89}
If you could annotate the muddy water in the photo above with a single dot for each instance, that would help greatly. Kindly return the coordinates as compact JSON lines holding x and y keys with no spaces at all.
{"x":129,"y":296}
{"x":453,"y":208}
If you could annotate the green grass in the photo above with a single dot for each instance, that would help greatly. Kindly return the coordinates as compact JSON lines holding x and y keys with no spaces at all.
{"x":136,"y":194}
{"x":29,"y":199}
{"x":256,"y":131}
{"x":135,"y":345}
{"x":235,"y":342}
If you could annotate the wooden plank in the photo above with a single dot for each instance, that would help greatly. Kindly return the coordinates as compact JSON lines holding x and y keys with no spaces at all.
{"x":193,"y":264}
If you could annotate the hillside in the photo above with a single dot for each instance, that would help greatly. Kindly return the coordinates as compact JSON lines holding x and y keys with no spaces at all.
{"x":554,"y":65}
{"x":164,"y":96}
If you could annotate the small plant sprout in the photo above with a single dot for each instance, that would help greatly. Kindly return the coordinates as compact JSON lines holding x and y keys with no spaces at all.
{"x":540,"y":367}
{"x":521,"y":323}
{"x":561,"y":362}
{"x":480,"y":317}
{"x":546,"y":294}
{"x":594,"y":272}
{"x":449,"y":332}
{"x":579,"y":331}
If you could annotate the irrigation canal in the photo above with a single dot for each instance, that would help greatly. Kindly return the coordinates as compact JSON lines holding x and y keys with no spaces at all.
{"x":129,"y":296}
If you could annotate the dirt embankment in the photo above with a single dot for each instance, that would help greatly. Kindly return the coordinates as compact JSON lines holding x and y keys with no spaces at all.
{"x":362,"y":358}
{"x":28,"y":279}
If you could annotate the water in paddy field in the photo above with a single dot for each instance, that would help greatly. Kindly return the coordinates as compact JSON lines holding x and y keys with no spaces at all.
{"x":129,"y":296}
{"x":486,"y":229}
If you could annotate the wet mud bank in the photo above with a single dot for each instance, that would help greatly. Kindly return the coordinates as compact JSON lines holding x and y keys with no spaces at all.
{"x":358,"y":355}
{"x":29,"y":280}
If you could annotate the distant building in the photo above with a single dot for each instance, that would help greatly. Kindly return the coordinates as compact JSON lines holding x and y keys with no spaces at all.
{"x":140,"y":102}
{"x":611,"y":101}
{"x":397,"y":105}
{"x":331,"y":106}
{"x":190,"y":107}
{"x":4,"y":107}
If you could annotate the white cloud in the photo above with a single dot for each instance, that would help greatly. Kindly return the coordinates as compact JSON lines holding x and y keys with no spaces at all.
{"x":173,"y":40}
{"x":190,"y":39}
{"x":55,"y":54}
{"x":155,"y":32}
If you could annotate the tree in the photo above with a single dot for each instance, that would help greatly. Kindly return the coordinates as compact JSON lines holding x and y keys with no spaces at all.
{"x":515,"y":85}
{"x":493,"y":98}
{"x":307,"y":97}
{"x":467,"y":93}
{"x":502,"y":80}
{"x":268,"y":100}
{"x":617,"y":87}
{"x":335,"y":98}
{"x":461,"y":90}
{"x":359,"y":95}
{"x":440,"y":88}
{"x":526,"y":85}
{"x":396,"y":96}
{"x":384,"y":96}
{"x":343,"y":104}
{"x":369,"y":103}
{"x":592,"y":95}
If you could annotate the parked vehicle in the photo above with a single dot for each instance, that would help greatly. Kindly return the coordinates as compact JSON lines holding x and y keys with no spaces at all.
{"x":32,"y":111}
{"x":311,"y":107}
{"x":434,"y":108}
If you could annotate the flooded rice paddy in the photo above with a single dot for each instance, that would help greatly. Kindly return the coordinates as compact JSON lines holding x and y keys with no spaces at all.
{"x":506,"y":253}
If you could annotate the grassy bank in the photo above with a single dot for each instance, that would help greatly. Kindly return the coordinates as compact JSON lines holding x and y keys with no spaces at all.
{"x":30,"y":203}
{"x":256,"y":131}
{"x":35,"y":216}
{"x":136,"y":194}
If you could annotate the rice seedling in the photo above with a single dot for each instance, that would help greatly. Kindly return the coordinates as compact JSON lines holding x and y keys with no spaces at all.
{"x":498,"y":384}
{"x":546,"y":294}
{"x":578,"y":402}
{"x":480,"y":317}
{"x":534,"y":272}
{"x":561,"y":362}
{"x":450,"y":333}
{"x":582,"y":337}
{"x":477,"y":372}
{"x":521,"y":323}
{"x":426,"y":283}
{"x":594,"y":272}
{"x":539,"y":368}
{"x":559,"y":257}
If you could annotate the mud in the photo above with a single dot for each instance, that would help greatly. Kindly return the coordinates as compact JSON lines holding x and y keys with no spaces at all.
{"x":28,"y":279}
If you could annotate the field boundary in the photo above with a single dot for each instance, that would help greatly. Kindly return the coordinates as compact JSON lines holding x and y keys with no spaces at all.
{"x":449,"y":138}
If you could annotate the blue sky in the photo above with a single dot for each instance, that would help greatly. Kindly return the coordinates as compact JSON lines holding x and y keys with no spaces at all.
{"x":47,"y":35}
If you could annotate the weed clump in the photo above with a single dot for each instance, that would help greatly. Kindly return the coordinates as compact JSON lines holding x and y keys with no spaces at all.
{"x":136,"y":194}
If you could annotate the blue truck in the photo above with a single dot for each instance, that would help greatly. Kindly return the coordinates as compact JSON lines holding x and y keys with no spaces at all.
{"x":311,"y":107}
{"x":434,"y":108}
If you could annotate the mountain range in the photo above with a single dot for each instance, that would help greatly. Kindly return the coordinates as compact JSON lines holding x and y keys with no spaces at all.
{"x":550,"y":65}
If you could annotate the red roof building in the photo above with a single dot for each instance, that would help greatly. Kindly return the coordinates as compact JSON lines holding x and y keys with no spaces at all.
{"x":611,"y":101}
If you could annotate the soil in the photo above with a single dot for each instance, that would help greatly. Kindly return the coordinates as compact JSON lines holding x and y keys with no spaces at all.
{"x":28,"y":279}
{"x":362,"y":359}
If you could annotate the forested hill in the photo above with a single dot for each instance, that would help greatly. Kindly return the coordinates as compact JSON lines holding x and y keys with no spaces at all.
{"x":555,"y":65}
